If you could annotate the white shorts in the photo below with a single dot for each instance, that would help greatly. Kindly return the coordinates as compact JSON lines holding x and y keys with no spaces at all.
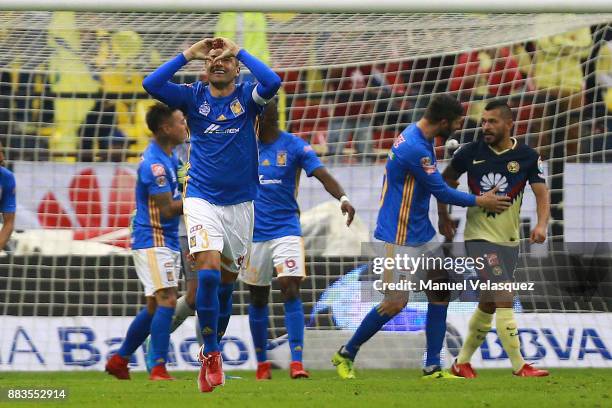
{"x":157,"y":268}
{"x":224,"y":228}
{"x":284,"y":255}
{"x":431,"y":250}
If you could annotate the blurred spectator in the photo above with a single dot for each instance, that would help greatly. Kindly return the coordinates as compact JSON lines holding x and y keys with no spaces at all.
{"x":71,"y":81}
{"x":558,"y":78}
{"x":347,"y":94}
{"x":479,"y":75}
{"x":100,"y":137}
{"x":428,"y":76}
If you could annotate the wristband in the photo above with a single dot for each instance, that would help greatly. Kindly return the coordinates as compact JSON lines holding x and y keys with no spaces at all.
{"x":343,"y":199}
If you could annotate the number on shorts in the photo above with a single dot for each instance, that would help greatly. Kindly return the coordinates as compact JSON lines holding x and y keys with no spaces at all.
{"x":204,"y":235}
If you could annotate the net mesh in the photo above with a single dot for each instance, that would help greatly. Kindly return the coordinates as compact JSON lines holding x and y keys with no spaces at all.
{"x":72,"y":123}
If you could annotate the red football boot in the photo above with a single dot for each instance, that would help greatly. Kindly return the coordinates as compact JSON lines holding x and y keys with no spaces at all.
{"x":118,"y":367}
{"x":528,"y":370}
{"x":203,"y":384}
{"x":263,"y":371}
{"x":297,"y":370}
{"x":214,"y":369}
{"x":159,"y":373}
{"x":464,"y":370}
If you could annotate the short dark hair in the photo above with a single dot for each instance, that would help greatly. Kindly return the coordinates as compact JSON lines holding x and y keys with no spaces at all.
{"x":442,"y":107}
{"x":502,"y":106}
{"x":158,"y":114}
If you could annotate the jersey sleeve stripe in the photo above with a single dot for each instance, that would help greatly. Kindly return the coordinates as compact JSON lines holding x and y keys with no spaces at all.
{"x":384,"y":190}
{"x":158,"y":236}
{"x":404,"y":216}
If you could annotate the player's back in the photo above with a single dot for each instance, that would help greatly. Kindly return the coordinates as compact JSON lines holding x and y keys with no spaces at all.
{"x":223,"y":152}
{"x":156,"y":175}
{"x":403,"y":218}
{"x":280,"y":165}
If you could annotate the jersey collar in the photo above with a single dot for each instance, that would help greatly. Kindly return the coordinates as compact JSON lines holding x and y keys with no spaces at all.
{"x":514,"y":143}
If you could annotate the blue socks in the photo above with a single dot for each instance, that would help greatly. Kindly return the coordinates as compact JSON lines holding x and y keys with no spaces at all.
{"x":294,"y":321}
{"x":136,"y":334}
{"x":435,"y":330}
{"x":207,"y":305}
{"x":371,"y":324}
{"x":160,"y":334}
{"x":225,"y":308}
{"x":258,"y":322}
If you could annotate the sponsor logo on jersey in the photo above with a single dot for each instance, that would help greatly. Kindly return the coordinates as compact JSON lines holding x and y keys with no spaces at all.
{"x":161,"y":181}
{"x":269,"y":181}
{"x":399,"y":140}
{"x":204,"y":109}
{"x":427,"y":165}
{"x":265,"y":162}
{"x":281,"y":158}
{"x":214,"y":128}
{"x":158,"y":170}
{"x":513,"y":167}
{"x":490,"y":180}
{"x":236,"y":107}
{"x":478,"y":161}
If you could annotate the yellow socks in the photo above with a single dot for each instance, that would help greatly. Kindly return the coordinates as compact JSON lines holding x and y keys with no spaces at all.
{"x":508,"y":334}
{"x":479,"y":326}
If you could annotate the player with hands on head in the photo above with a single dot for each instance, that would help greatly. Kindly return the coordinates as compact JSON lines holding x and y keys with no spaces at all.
{"x":222,"y":180}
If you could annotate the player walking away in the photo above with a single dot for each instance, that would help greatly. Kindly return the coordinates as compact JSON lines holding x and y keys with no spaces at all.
{"x":155,"y":242}
{"x":496,"y":160}
{"x":404,"y":227}
{"x":7,"y":201}
{"x":277,"y":239}
{"x":222,"y":180}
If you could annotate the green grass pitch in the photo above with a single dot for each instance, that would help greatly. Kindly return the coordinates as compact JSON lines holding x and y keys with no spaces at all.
{"x":373,"y":388}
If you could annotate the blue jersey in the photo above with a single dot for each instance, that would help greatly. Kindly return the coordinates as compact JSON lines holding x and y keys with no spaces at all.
{"x":7,"y":191}
{"x":156,"y":175}
{"x":280,"y":165}
{"x":223,"y":154}
{"x":411,"y":177}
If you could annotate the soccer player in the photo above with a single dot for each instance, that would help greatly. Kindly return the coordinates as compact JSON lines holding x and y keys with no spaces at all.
{"x":403,"y":226}
{"x":277,"y":238}
{"x":496,"y":160}
{"x":222,"y":180}
{"x":7,"y":201}
{"x":155,"y":242}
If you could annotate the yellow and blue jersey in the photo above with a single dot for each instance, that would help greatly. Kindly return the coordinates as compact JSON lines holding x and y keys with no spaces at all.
{"x":411,"y":177}
{"x":156,"y":175}
{"x":486,"y":168}
{"x":7,"y":191}
{"x":280,"y":165}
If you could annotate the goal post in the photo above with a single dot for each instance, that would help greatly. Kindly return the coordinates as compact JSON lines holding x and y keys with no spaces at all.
{"x":72,"y":125}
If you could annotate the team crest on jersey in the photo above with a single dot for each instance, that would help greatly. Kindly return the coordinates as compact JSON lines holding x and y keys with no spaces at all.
{"x":158,"y":170}
{"x":236,"y":107}
{"x":513,"y":167}
{"x":427,"y":166}
{"x":265,"y":162}
{"x":281,"y":158}
{"x":204,"y":109}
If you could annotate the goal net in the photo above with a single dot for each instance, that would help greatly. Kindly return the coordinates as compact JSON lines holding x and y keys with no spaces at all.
{"x":72,"y":126}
